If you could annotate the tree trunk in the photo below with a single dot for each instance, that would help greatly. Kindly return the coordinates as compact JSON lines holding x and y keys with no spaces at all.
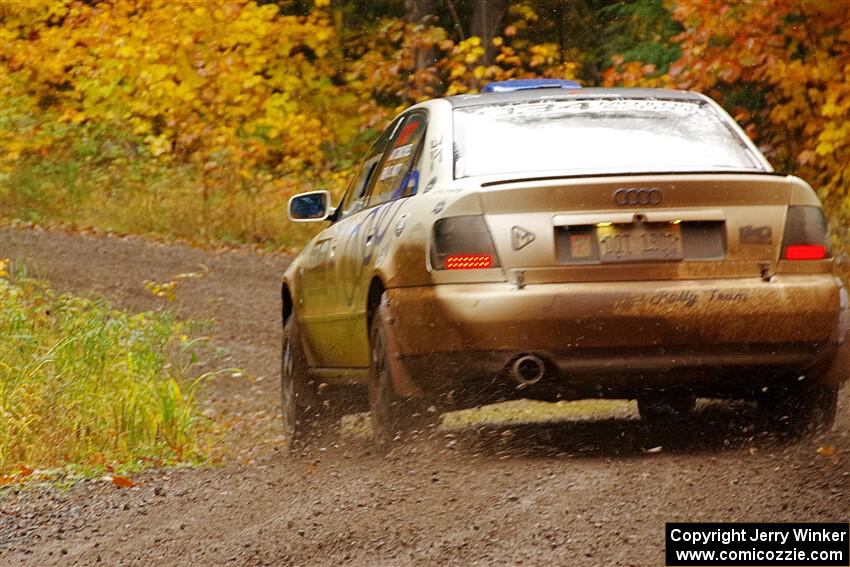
{"x":420,"y":12}
{"x":486,"y":19}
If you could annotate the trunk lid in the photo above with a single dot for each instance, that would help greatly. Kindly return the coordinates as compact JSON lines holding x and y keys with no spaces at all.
{"x":645,"y":227}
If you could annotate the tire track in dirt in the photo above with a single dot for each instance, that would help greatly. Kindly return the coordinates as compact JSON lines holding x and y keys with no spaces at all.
{"x":582,"y":492}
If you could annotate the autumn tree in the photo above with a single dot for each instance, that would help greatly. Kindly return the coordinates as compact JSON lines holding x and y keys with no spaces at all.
{"x":783,"y":69}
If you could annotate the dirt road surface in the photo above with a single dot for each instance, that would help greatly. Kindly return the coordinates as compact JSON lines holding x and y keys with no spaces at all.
{"x":584,"y":491}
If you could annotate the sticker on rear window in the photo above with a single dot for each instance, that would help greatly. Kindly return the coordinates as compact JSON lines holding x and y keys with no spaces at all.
{"x":401,"y":152}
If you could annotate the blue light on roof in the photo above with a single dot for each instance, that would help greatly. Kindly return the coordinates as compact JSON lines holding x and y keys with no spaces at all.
{"x":527,"y":84}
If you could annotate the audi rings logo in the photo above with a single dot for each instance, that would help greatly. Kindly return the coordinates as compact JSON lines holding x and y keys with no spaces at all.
{"x":632,"y":197}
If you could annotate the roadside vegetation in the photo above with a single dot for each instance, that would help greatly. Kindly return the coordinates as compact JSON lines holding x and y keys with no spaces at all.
{"x":200,"y":120}
{"x":87,"y":389}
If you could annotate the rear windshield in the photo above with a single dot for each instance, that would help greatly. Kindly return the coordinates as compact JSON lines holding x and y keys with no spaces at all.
{"x":596,"y":136}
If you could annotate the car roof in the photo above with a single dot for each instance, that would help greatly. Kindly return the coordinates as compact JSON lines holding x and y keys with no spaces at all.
{"x":532,"y":95}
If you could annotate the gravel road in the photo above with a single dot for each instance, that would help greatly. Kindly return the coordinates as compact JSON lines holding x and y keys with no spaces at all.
{"x":586,"y":491}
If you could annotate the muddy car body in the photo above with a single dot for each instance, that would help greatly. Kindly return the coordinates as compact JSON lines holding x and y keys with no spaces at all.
{"x":564,"y":243}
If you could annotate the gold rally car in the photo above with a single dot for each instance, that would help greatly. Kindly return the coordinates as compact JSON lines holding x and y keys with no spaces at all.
{"x":546,"y":241}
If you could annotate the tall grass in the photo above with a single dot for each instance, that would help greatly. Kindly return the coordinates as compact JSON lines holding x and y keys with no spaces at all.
{"x":143,"y":196}
{"x":83,"y":383}
{"x":106,"y":179}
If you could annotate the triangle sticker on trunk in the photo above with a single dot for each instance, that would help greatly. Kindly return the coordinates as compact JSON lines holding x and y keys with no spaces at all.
{"x":520,"y":238}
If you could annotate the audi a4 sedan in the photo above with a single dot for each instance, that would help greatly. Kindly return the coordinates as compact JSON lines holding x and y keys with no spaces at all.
{"x":545,"y":241}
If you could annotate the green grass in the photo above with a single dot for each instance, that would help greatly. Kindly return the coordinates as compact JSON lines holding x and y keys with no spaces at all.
{"x":86,"y":386}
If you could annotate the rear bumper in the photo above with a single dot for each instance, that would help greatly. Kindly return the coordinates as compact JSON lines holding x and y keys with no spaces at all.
{"x":613,"y":332}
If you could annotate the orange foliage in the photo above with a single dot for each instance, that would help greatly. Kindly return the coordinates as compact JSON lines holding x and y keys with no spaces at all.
{"x":783,"y":69}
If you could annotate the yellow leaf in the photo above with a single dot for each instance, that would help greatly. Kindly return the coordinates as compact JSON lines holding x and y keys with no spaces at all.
{"x":824,"y":148}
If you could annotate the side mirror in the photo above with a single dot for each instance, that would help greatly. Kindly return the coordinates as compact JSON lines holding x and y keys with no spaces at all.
{"x":310,"y":207}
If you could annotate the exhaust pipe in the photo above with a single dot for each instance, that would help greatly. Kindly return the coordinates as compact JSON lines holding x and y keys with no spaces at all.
{"x":528,"y":369}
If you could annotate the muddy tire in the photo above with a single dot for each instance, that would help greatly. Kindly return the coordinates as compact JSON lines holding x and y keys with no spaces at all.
{"x":663,"y":410}
{"x":393,"y":417}
{"x":297,"y":391}
{"x":801,"y":409}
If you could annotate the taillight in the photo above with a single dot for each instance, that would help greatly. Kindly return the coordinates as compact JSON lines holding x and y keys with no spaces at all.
{"x":463,"y":243}
{"x":806,"y":235}
{"x":469,"y":262}
{"x":805,"y":252}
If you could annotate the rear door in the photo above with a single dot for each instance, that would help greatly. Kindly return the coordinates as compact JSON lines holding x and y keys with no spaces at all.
{"x":325,"y":318}
{"x":364,"y":236}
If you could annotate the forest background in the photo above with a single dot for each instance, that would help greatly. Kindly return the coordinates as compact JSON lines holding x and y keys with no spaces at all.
{"x":198,"y":120}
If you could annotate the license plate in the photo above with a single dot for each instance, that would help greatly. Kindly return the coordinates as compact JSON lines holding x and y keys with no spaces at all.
{"x":639,"y":242}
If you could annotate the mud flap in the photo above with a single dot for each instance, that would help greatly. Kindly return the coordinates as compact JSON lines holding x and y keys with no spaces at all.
{"x":839,"y":371}
{"x":402,"y":382}
{"x":306,"y":389}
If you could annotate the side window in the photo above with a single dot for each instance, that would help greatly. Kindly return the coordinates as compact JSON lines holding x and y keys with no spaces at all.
{"x":397,"y":177}
{"x":355,"y":197}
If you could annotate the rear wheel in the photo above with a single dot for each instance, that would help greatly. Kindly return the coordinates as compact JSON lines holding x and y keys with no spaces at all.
{"x":393,"y":416}
{"x":663,"y":409}
{"x":802,"y":408}
{"x":297,"y":391}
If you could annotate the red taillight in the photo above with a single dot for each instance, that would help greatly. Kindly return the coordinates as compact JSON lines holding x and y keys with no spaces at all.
{"x":469,"y":262}
{"x":805,"y":234}
{"x":463,"y":243}
{"x":805,"y":252}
